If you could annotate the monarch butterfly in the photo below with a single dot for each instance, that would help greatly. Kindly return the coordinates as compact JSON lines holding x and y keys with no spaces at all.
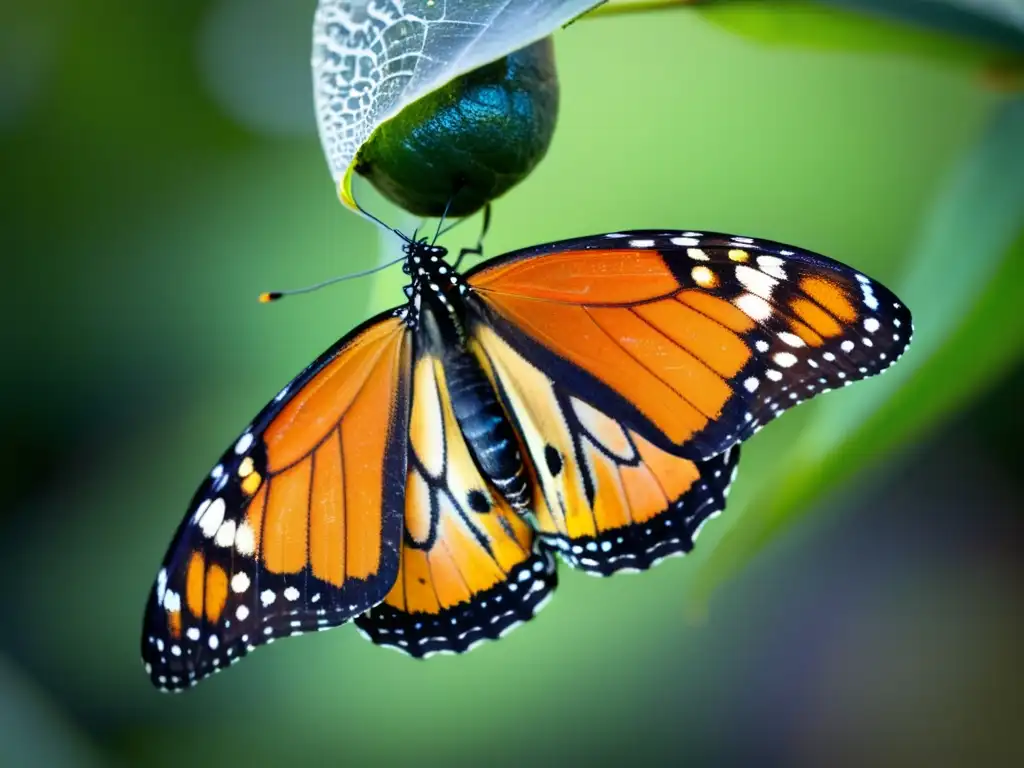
{"x":583,"y":398}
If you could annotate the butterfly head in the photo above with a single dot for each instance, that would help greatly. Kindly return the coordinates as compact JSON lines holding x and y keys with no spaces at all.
{"x":435,"y":284}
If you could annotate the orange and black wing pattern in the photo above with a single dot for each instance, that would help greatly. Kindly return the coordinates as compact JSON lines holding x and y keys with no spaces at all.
{"x":606,"y":499}
{"x":299,"y":525}
{"x":691,"y":340}
{"x":471,"y":569}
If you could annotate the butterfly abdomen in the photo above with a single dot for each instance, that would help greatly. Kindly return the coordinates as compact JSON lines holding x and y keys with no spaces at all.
{"x":486,"y":428}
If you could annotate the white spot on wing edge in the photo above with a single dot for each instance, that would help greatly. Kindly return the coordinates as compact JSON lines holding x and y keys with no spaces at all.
{"x":791,"y":339}
{"x":703,"y":276}
{"x":161,"y":585}
{"x":756,"y":281}
{"x":244,"y":443}
{"x":785,"y":359}
{"x":225,"y":534}
{"x":210,"y":522}
{"x":245,"y":539}
{"x":755,"y":307}
{"x":240,"y":582}
{"x":205,"y":503}
{"x":772,"y":265}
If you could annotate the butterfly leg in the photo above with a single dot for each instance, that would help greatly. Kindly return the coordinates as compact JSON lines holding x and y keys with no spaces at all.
{"x":478,"y":249}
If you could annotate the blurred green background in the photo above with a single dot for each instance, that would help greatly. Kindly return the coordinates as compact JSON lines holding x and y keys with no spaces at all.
{"x":859,"y":603}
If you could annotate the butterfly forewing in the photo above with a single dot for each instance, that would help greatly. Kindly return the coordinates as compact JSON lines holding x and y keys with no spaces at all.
{"x":298,"y":526}
{"x":694,"y":340}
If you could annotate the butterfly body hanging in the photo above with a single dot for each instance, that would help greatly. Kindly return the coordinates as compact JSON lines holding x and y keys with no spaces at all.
{"x":584,"y":399}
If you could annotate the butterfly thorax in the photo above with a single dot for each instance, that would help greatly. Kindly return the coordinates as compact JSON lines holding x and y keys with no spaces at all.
{"x":435,"y":288}
{"x":437,"y":314}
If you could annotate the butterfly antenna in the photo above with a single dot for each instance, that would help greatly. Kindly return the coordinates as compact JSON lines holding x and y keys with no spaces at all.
{"x":269,"y":296}
{"x":449,"y":228}
{"x":379,"y":223}
{"x":440,"y":222}
{"x":454,"y":224}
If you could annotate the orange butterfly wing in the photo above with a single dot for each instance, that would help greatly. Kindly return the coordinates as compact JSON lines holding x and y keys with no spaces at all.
{"x":604,"y":497}
{"x":470,"y":568}
{"x":629,"y":364}
{"x":298,"y":526}
{"x":692,"y":340}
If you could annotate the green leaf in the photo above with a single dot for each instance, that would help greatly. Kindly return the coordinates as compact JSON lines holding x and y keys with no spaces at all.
{"x":1009,"y":12}
{"x":965,"y":285}
{"x":993,"y":21}
{"x":806,"y":24}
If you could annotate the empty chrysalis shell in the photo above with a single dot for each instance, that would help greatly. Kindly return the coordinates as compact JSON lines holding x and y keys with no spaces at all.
{"x":470,"y":141}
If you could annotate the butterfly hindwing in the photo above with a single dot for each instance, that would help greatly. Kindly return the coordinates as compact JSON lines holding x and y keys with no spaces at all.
{"x":605,"y":498}
{"x":471,"y":569}
{"x":693,"y":340}
{"x":298,"y":526}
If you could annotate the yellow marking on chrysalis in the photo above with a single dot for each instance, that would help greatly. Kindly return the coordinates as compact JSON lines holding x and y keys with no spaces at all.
{"x":704,"y":277}
{"x":251,"y":483}
{"x":345,"y":191}
{"x":246,"y":467}
{"x":737,"y":255}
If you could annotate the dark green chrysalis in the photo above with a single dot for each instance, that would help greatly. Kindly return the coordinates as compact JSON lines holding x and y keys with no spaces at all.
{"x":470,"y":141}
